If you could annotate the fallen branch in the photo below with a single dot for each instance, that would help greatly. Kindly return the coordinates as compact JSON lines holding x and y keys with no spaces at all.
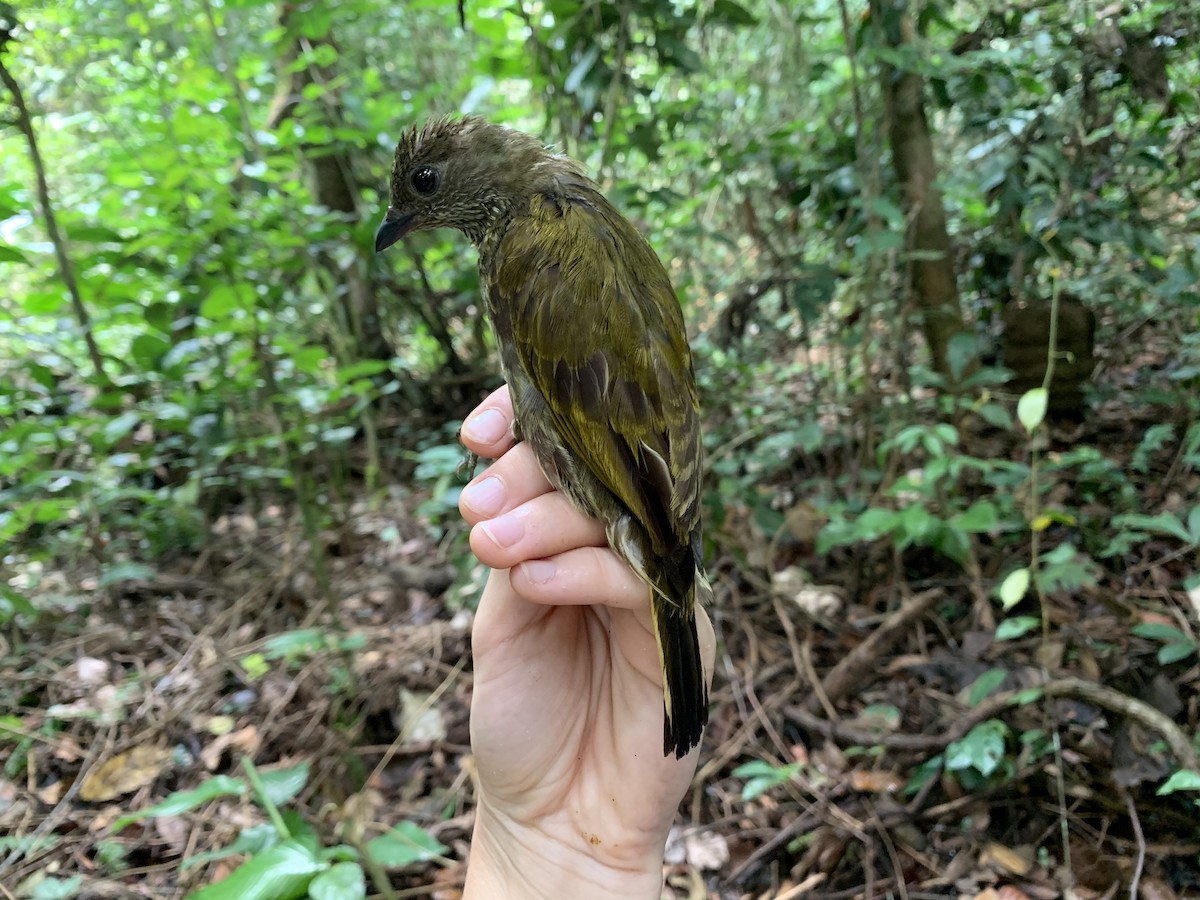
{"x":857,"y":666}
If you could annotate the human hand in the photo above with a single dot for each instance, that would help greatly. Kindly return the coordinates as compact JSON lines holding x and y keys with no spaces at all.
{"x":575,"y":795}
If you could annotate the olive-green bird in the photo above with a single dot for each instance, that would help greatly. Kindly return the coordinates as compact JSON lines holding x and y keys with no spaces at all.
{"x":593,"y":346}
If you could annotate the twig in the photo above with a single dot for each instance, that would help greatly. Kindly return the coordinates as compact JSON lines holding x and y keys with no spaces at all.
{"x":65,"y":269}
{"x":803,"y":887}
{"x":856,"y":666}
{"x":1141,"y":844}
{"x":1079,"y":688}
{"x":781,"y":838}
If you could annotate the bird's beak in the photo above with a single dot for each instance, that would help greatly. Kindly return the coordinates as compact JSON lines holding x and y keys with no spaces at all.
{"x":395,"y":225}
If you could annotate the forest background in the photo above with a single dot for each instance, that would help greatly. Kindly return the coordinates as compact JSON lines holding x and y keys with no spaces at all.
{"x":939,"y":264}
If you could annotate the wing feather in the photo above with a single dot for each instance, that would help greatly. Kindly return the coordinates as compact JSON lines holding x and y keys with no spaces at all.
{"x":600,"y":335}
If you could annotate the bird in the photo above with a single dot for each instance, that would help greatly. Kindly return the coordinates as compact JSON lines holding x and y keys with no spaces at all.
{"x":593,"y":345}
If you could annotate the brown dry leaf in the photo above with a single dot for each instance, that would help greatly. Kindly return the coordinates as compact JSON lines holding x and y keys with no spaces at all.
{"x":124,"y":773}
{"x":1015,"y":861}
{"x":988,"y":894}
{"x":51,"y":793}
{"x":1156,"y":889}
{"x":1011,"y":892}
{"x":67,"y":749}
{"x":358,"y":810}
{"x":174,"y":832}
{"x":244,"y":740}
{"x":875,"y":782}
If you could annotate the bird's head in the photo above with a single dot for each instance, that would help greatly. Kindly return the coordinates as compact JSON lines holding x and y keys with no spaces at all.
{"x":458,"y":173}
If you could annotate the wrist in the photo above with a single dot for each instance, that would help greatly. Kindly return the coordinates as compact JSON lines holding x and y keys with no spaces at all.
{"x":516,"y":862}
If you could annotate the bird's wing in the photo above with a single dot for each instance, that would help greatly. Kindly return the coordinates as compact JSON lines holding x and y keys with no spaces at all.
{"x":600,"y":334}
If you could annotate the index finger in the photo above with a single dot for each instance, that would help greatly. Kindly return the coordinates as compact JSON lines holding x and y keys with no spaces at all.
{"x":488,"y":431}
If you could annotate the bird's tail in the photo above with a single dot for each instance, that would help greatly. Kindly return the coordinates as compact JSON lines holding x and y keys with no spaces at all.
{"x":685,"y":690}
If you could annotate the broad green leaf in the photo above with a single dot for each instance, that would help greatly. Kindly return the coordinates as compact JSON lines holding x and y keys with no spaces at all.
{"x":281,"y":785}
{"x":1031,"y":408}
{"x":12,"y":254}
{"x":282,"y":872}
{"x":17,"y":602}
{"x":121,"y":572}
{"x":979,"y":516}
{"x":405,"y":844}
{"x":1163,"y":523}
{"x":730,"y":13}
{"x":1160,"y":631}
{"x":1014,"y":587}
{"x":183,"y":801}
{"x":580,"y":70}
{"x":1173,"y":653}
{"x":57,"y":888}
{"x":981,"y":749}
{"x":251,"y":840}
{"x":1181,"y":780}
{"x":1013,"y":628}
{"x":293,"y":644}
{"x":985,"y":685}
{"x":345,"y":881}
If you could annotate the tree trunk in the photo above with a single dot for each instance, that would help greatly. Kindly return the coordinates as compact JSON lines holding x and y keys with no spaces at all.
{"x":931,"y":278}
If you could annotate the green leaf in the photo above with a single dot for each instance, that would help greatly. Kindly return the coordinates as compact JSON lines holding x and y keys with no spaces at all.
{"x":182,"y":801}
{"x":1014,"y":587}
{"x":121,"y":572}
{"x":979,"y":516}
{"x":730,"y":13}
{"x":221,"y":301}
{"x":12,"y":254}
{"x":251,"y":840}
{"x":1160,"y":631}
{"x":18,"y":603}
{"x":1182,"y":780}
{"x":985,"y":685}
{"x":294,"y":644}
{"x":40,"y":303}
{"x":757,"y":768}
{"x":148,"y":349}
{"x":1173,"y":653}
{"x":281,"y":785}
{"x":1031,"y":408}
{"x":283,"y":872}
{"x":1163,"y":523}
{"x":404,"y":845}
{"x":580,"y":70}
{"x":345,"y":881}
{"x":117,"y":428}
{"x":981,"y":749}
{"x":1013,"y":628}
{"x":57,"y":888}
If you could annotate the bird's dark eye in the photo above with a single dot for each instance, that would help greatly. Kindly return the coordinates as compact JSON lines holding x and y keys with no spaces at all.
{"x":425,"y":180}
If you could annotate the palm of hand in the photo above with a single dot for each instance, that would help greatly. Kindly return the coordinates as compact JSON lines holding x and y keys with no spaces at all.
{"x":567,"y":712}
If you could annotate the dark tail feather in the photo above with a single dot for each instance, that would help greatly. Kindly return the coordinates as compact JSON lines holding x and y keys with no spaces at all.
{"x":685,"y":697}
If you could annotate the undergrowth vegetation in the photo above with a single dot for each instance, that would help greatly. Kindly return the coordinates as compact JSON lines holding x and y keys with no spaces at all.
{"x":956,"y":548}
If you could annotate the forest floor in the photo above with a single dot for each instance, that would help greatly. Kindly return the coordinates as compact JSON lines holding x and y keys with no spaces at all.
{"x":870,"y":735}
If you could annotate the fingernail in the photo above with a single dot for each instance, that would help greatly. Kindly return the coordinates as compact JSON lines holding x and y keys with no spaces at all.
{"x":486,"y":497}
{"x":504,"y":531}
{"x":539,"y":571}
{"x":486,"y":428}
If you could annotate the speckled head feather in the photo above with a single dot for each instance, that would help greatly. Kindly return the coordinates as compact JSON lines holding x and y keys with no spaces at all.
{"x":479,"y":173}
